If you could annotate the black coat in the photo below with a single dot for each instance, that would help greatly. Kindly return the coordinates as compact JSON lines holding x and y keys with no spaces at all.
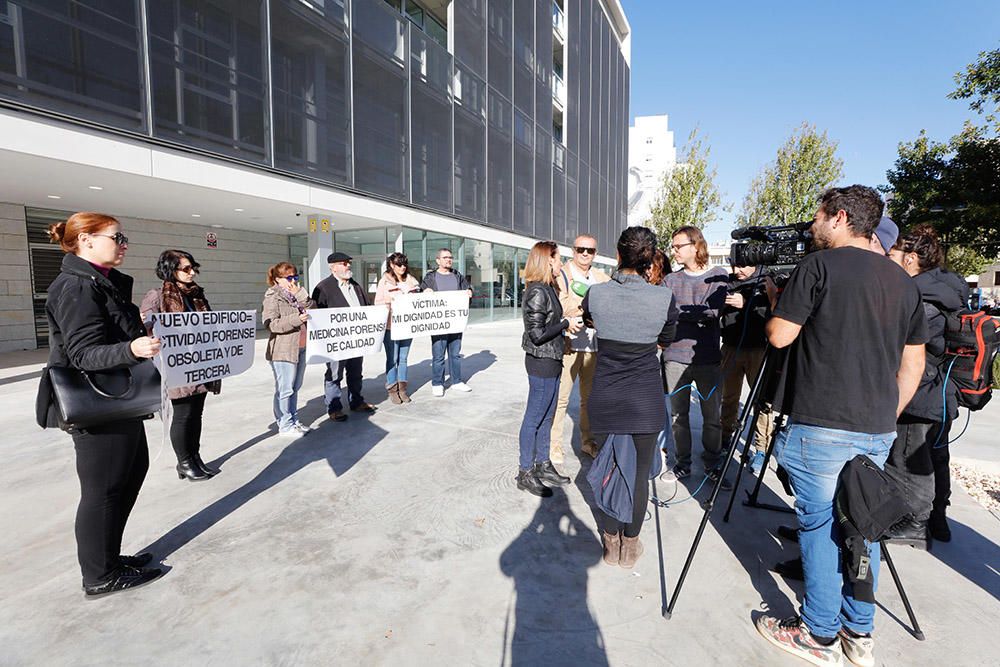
{"x":92,"y":323}
{"x":543,"y":322}
{"x":327,"y":294}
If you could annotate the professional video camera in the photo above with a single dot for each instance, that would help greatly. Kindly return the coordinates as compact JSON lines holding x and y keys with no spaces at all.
{"x":777,"y":246}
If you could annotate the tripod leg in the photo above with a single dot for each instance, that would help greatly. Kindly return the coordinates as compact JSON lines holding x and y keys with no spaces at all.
{"x":751,"y":500}
{"x":744,"y":459}
{"x":917,"y":632}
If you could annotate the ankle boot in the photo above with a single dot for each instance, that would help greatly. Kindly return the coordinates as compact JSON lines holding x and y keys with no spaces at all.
{"x":548,"y":474}
{"x":527,"y":481}
{"x":612,"y":548}
{"x":403,"y":396}
{"x":938,"y":525}
{"x":631,"y":550}
{"x":211,"y":472}
{"x":189,"y":470}
{"x":393,"y":390}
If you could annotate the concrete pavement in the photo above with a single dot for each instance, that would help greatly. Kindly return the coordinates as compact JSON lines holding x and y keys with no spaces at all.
{"x":401,"y":539}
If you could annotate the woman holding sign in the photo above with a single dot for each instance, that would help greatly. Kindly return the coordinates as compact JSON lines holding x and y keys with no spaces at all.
{"x":543,"y":352}
{"x":180,"y":293}
{"x":94,"y":327}
{"x":396,"y":280}
{"x":284,"y":315}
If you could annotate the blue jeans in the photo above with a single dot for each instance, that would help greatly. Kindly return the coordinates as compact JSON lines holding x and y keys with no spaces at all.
{"x":396,"y":352}
{"x":814,"y":457}
{"x":536,"y":427}
{"x":287,"y":382}
{"x":452,"y":344}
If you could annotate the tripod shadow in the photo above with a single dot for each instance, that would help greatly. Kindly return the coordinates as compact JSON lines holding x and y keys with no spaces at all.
{"x":341,"y":446}
{"x":972,"y":555}
{"x":548,"y":562}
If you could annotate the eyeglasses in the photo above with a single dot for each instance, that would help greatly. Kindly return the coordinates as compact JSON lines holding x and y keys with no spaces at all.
{"x":586,"y":251}
{"x":117,"y":237}
{"x":678,"y":246}
{"x":188,"y":269}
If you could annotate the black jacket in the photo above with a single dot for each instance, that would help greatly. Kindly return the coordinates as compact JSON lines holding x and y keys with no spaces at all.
{"x":92,"y":323}
{"x":940,"y":293}
{"x":430,"y":281}
{"x":543,"y":322}
{"x":327,"y":294}
{"x":745,"y":327}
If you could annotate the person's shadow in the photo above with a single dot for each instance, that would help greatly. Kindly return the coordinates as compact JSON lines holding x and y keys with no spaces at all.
{"x":421,"y":373}
{"x":548,"y":562}
{"x":341,"y":445}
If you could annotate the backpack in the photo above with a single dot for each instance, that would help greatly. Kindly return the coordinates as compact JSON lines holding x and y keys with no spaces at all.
{"x":972,"y":339}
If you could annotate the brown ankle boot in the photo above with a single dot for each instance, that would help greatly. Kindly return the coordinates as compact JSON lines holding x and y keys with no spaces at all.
{"x":631,"y":550}
{"x":612,"y":548}
{"x":393,"y":390}
{"x":403,"y":396}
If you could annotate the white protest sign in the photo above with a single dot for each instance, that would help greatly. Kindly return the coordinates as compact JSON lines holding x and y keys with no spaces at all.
{"x":199,"y":347}
{"x":334,"y":334}
{"x":437,"y":313}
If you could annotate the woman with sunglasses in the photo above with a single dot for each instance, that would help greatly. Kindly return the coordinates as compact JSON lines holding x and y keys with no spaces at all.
{"x":180,"y":293}
{"x":284,"y":315}
{"x":396,"y":280}
{"x":93,"y":326}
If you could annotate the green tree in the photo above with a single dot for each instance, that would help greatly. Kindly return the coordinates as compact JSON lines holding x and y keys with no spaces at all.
{"x":786,"y":190}
{"x":966,"y":261}
{"x":688,"y":194}
{"x":980,"y":82}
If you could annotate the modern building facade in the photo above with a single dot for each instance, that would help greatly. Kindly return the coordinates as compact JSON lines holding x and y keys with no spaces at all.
{"x":255,"y":131}
{"x":651,"y":155}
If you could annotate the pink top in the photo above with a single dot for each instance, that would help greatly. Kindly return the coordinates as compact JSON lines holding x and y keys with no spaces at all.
{"x":388,"y":288}
{"x":103,"y":270}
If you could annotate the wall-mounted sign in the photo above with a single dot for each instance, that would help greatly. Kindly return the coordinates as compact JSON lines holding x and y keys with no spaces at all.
{"x":325,"y":225}
{"x":211,"y":240}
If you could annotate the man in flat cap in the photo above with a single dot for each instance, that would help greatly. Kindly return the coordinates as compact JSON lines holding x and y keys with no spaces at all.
{"x":340,"y":290}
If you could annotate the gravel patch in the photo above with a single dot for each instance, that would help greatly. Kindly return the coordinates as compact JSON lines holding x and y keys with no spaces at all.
{"x":981,"y":485}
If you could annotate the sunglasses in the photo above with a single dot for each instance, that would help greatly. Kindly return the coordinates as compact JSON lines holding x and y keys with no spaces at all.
{"x":117,"y":237}
{"x":294,"y":277}
{"x":586,"y":251}
{"x":189,"y":269}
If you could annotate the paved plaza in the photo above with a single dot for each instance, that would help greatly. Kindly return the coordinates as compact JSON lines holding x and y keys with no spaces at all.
{"x":400,"y":539}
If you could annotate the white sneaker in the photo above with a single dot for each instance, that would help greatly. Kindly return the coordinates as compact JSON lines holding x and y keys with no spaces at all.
{"x":437,"y":390}
{"x":291,"y":433}
{"x":302,"y":428}
{"x":461,"y":386}
{"x":859,"y":650}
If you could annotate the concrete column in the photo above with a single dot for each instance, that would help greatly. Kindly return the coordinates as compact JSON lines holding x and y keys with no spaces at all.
{"x":320,"y":234}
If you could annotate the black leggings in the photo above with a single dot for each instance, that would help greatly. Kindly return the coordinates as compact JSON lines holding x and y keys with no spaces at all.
{"x":111,"y":462}
{"x":645,"y":449}
{"x":185,"y":428}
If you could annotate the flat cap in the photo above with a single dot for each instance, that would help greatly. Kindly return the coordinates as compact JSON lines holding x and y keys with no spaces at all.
{"x":338,"y":257}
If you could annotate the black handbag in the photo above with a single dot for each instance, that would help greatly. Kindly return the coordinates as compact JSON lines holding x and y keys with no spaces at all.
{"x":89,"y":398}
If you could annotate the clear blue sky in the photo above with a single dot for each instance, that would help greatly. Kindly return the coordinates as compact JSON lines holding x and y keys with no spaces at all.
{"x":871,"y":74}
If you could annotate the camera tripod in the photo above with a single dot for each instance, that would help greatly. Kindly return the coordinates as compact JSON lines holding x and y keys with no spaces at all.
{"x":772,"y":359}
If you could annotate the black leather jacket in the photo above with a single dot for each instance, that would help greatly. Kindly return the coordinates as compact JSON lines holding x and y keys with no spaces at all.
{"x":543,"y":322}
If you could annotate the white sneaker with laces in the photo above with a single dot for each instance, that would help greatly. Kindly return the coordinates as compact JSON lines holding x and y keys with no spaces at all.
{"x":461,"y":386}
{"x":291,"y":433}
{"x":302,"y":428}
{"x":860,"y":650}
{"x":437,"y":390}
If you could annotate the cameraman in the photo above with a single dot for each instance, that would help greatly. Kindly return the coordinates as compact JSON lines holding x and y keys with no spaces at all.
{"x":743,"y":343}
{"x":860,"y":331}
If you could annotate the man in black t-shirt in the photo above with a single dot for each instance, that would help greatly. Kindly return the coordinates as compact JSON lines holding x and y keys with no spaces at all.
{"x":859,"y":331}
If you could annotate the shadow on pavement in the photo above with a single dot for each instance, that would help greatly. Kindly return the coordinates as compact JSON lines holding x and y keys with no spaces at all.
{"x":548,"y":562}
{"x":971,"y":555}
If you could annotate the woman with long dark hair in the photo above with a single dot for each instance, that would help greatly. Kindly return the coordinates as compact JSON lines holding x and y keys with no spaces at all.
{"x":180,"y":293}
{"x":396,"y":280}
{"x":919,"y":457}
{"x":543,"y":352}
{"x":633,"y":319}
{"x":94,"y":326}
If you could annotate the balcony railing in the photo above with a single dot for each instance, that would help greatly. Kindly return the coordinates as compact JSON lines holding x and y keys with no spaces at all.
{"x":558,"y":20}
{"x":558,"y":91}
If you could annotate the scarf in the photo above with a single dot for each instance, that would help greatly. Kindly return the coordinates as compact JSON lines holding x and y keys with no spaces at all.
{"x":173,"y":296}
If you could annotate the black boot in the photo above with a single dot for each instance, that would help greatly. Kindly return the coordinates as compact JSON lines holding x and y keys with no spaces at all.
{"x":548,"y":475}
{"x":527,"y":481}
{"x":188,"y":469}
{"x":912,"y":532}
{"x":938,"y":525}
{"x":211,"y":472}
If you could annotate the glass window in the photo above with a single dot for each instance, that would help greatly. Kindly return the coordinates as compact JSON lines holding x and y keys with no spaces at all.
{"x":380,"y":105}
{"x":81,"y":58}
{"x":413,"y":248}
{"x":559,"y":199}
{"x":470,"y":144}
{"x":310,"y":71}
{"x":524,"y":179}
{"x":430,"y":132}
{"x":524,"y":56}
{"x":499,"y":46}
{"x":506,"y":291}
{"x":499,"y":152}
{"x":435,"y":241}
{"x":469,"y":30}
{"x":436,"y":31}
{"x":572,"y":198}
{"x":543,"y":64}
{"x":207,"y":64}
{"x":543,"y":185}
{"x":367,"y":247}
{"x":479,"y":271}
{"x":571,"y":115}
{"x":586,"y":67}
